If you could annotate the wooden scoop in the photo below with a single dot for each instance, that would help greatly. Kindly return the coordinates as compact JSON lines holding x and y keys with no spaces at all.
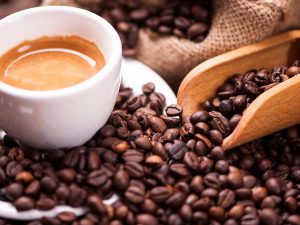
{"x":273,"y":110}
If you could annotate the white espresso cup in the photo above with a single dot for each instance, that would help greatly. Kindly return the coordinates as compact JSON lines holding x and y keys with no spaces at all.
{"x":69,"y":116}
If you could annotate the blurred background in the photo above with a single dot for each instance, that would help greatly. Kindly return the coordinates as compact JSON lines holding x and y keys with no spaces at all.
{"x":10,"y":6}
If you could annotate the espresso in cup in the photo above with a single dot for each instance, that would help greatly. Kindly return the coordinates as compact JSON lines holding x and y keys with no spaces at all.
{"x":49,"y":63}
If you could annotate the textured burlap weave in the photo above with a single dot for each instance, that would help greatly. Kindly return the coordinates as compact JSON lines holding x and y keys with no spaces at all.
{"x":235,"y":23}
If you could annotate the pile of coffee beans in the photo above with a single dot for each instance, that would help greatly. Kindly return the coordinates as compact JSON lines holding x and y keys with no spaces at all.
{"x":185,"y":19}
{"x":165,"y":169}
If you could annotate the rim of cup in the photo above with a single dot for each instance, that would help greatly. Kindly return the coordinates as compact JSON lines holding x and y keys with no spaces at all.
{"x":110,"y":62}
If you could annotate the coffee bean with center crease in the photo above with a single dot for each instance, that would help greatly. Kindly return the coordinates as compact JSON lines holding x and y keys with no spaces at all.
{"x":211,"y":180}
{"x":72,"y":158}
{"x":174,"y":110}
{"x":221,"y":124}
{"x":135,"y":194}
{"x":133,"y":156}
{"x":176,"y":199}
{"x":177,"y":150}
{"x":226,"y":198}
{"x":179,"y":169}
{"x":191,"y":160}
{"x":148,"y":88}
{"x":157,"y":124}
{"x":134,"y":169}
{"x":97,"y":178}
{"x":159,"y":194}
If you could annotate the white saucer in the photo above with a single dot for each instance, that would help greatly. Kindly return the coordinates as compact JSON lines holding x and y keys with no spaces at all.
{"x":134,"y":75}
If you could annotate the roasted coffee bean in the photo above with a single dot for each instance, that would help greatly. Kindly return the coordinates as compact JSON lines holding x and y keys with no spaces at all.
{"x":121,"y":179}
{"x":221,"y":124}
{"x":143,"y":143}
{"x":179,"y":169}
{"x":233,"y":122}
{"x":211,"y":180}
{"x":159,"y":194}
{"x":13,"y":191}
{"x":48,"y":184}
{"x":269,"y":216}
{"x":154,"y":160}
{"x":97,"y":178}
{"x":273,"y":185}
{"x":72,"y":158}
{"x":93,"y":161}
{"x":292,"y":71}
{"x":202,"y":204}
{"x":107,"y":131}
{"x":13,"y":168}
{"x":33,"y":189}
{"x":216,"y":137}
{"x":133,"y":156}
{"x":134,"y":169}
{"x":197,"y":184}
{"x":222,"y":166}
{"x":62,"y":193}
{"x":174,"y":110}
{"x":77,"y":196}
{"x":146,"y":219}
{"x":66,"y":175}
{"x":293,"y":219}
{"x":200,"y":116}
{"x":24,"y":203}
{"x":191,"y":160}
{"x":66,"y":217}
{"x":148,"y":88}
{"x":235,"y":179}
{"x":135,"y":194}
{"x":177,"y":150}
{"x":45,"y":204}
{"x":25,"y":177}
{"x":202,"y":128}
{"x":96,"y":204}
{"x":226,"y":108}
{"x":236,"y":212}
{"x":217,"y":213}
{"x":226,"y":198}
{"x":157,"y":125}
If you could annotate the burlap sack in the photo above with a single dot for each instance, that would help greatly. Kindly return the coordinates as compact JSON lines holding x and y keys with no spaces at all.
{"x":235,"y":23}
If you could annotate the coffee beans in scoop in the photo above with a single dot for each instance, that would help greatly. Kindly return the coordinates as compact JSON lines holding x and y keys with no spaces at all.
{"x":165,"y":169}
{"x":188,"y":19}
{"x":222,"y":113}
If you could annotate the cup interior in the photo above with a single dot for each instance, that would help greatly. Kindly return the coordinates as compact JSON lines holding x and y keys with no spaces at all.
{"x":37,"y":22}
